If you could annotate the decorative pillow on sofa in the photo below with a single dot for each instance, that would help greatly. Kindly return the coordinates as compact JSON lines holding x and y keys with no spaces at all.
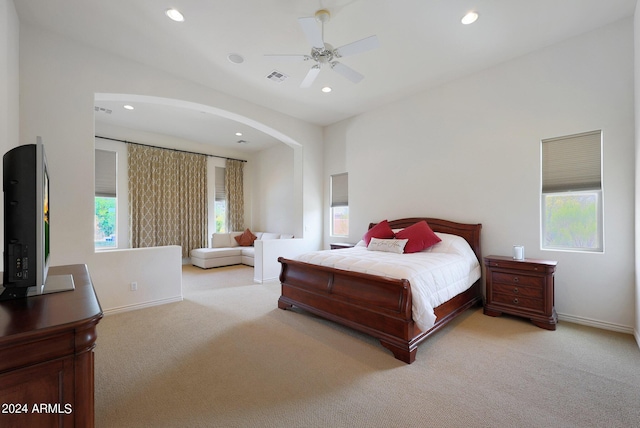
{"x":381,"y":230}
{"x":246,"y":239}
{"x":387,"y":245}
{"x":420,"y":237}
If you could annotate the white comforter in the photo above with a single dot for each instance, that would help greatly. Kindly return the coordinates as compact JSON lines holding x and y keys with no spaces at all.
{"x":436,"y":274}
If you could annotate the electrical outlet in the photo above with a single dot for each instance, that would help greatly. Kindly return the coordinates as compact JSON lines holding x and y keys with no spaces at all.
{"x":134,"y":286}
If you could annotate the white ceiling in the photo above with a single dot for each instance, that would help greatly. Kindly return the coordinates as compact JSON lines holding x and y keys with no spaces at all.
{"x":422,"y":44}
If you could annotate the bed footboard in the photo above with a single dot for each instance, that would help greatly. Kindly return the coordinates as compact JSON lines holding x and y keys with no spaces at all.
{"x":380,"y":307}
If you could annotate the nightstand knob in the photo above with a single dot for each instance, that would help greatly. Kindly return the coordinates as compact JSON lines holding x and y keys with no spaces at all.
{"x":515,"y":301}
{"x":515,"y":279}
{"x":515,"y":290}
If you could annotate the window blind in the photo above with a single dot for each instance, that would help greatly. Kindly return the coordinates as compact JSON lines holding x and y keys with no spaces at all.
{"x":105,"y":178}
{"x":340,"y":190}
{"x":219,"y":184}
{"x":572,"y":163}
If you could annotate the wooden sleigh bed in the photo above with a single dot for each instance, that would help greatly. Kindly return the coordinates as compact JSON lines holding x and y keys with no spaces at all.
{"x":378,"y":306}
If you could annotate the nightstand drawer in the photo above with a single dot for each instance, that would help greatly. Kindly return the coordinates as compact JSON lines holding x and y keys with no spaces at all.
{"x":516,"y":279}
{"x":519,"y":302}
{"x":518,"y":290}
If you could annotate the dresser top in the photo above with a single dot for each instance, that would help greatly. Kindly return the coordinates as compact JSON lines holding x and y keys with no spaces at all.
{"x":50,"y":312}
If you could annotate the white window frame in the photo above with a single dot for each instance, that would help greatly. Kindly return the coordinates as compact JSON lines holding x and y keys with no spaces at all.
{"x":572,"y":166}
{"x":106,"y":185}
{"x":339,"y":185}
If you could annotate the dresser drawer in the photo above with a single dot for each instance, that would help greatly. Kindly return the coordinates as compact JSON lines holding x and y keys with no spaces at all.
{"x":519,"y":302}
{"x":517,"y":279}
{"x":518,"y":290}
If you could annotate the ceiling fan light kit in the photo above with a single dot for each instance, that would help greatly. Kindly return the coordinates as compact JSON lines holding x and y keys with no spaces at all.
{"x":323,"y":53}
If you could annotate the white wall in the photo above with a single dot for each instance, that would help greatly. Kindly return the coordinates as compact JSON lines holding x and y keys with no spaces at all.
{"x":156,"y":271}
{"x":636,"y":20}
{"x":273,"y":184}
{"x":469,"y":151}
{"x":9,"y":83}
{"x":58,"y":82}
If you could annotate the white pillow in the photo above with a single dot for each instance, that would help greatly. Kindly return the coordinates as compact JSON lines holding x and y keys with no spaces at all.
{"x":388,"y":245}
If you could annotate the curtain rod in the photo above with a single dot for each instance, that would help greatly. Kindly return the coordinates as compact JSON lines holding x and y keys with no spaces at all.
{"x":165,"y":148}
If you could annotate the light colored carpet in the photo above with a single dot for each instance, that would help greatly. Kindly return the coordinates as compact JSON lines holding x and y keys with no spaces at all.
{"x":228,"y":357}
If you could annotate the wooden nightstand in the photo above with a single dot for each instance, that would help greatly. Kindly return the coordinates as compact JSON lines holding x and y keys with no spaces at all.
{"x":338,"y":245}
{"x":521,"y":287}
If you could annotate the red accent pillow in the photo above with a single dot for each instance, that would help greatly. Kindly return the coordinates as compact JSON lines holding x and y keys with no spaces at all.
{"x":246,"y":239}
{"x":381,"y":230}
{"x":420,"y":237}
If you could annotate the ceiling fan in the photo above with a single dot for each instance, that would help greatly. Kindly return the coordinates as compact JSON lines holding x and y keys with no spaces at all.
{"x":323,"y":53}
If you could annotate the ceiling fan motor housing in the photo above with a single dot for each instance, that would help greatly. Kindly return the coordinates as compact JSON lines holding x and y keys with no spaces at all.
{"x":323,"y":55}
{"x":322,"y":15}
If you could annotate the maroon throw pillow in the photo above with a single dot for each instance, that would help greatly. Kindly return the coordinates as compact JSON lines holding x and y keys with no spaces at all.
{"x":381,"y":230}
{"x":420,"y":237}
{"x":246,"y":239}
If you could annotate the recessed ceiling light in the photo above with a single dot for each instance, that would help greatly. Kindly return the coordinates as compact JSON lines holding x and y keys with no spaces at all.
{"x":469,"y":18}
{"x":235,"y":58}
{"x":239,"y":134}
{"x":174,"y":14}
{"x":326,"y":89}
{"x":128,"y":107}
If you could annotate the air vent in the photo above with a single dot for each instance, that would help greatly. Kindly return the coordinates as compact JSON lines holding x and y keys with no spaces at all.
{"x":102,"y":110}
{"x":277,"y":76}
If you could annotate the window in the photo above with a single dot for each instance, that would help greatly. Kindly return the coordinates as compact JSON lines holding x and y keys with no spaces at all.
{"x":105,"y":235}
{"x":571,"y":217}
{"x":220,"y":207}
{"x":340,"y":205}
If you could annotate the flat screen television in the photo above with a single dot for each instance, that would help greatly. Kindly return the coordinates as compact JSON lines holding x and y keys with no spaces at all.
{"x":27,"y":245}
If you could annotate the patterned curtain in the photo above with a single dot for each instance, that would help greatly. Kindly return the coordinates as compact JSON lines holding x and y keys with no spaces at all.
{"x":167,"y":198}
{"x":234,"y":194}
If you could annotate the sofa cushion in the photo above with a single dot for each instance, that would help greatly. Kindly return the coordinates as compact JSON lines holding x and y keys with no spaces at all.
{"x":211,"y":253}
{"x":246,"y":239}
{"x":248,"y":251}
{"x":232,"y":239}
{"x":220,"y":240}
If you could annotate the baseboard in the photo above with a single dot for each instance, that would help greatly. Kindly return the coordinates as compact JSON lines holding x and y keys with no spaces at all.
{"x":598,"y":324}
{"x":143,"y":305}
{"x":264,"y":281}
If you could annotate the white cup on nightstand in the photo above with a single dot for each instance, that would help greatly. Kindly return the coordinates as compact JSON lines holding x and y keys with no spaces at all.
{"x":518,"y":252}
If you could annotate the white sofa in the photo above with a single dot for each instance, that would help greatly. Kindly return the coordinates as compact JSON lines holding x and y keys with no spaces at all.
{"x":263,"y":255}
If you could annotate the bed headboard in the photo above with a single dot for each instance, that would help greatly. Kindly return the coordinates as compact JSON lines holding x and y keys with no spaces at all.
{"x":470,"y":232}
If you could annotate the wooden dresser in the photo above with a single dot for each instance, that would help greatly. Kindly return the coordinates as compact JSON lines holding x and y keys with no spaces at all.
{"x":46,"y":356}
{"x":521,"y":287}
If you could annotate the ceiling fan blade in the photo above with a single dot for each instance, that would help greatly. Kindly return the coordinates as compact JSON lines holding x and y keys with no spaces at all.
{"x":357,"y":47}
{"x":310,"y":77}
{"x":312,"y":31}
{"x":289,"y":58}
{"x":347,"y":72}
